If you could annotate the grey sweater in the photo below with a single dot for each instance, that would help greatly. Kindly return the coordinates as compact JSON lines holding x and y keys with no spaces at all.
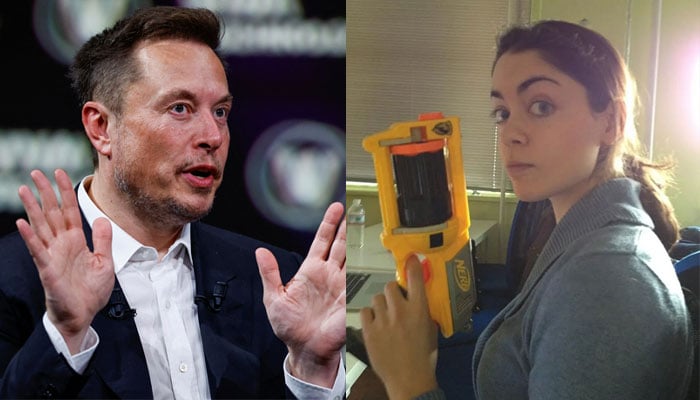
{"x":601,"y":315}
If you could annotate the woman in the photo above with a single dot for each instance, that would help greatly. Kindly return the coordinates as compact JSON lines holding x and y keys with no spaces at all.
{"x":601,"y":315}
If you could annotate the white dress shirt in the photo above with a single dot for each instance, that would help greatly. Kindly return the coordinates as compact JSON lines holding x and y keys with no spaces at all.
{"x":163,"y":293}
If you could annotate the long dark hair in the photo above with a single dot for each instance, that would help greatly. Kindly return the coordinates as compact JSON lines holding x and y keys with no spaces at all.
{"x":590,"y":59}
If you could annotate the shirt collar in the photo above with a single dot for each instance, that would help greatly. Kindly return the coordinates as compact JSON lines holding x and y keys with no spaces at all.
{"x":124,"y":245}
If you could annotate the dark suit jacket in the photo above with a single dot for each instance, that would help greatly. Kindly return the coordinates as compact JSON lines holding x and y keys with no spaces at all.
{"x":243,"y":356}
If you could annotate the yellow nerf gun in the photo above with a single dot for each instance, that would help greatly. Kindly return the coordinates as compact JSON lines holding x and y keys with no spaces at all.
{"x":423,"y":201}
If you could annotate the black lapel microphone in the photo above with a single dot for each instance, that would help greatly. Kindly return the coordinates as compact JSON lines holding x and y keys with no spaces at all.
{"x":118,"y":308}
{"x":215,"y":300}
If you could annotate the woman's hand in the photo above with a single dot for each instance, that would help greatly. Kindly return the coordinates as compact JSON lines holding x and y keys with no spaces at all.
{"x":401,"y":338}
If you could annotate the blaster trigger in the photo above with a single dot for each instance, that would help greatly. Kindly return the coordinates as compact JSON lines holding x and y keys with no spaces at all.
{"x":425,"y":265}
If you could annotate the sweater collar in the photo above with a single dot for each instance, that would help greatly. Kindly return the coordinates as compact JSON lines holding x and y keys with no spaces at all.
{"x":613,"y":201}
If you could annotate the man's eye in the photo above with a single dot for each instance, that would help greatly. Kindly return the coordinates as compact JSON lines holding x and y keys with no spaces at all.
{"x":179,"y":108}
{"x":221,"y":112}
{"x":541,"y":108}
{"x":500,"y":115}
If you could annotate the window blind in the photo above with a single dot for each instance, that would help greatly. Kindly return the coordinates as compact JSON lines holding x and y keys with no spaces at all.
{"x":409,"y":57}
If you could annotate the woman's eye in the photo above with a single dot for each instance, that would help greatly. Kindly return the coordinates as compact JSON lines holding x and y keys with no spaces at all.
{"x":500,"y":115}
{"x":541,"y":108}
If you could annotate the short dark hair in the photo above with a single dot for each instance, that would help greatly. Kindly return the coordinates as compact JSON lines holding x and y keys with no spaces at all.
{"x":104,"y":66}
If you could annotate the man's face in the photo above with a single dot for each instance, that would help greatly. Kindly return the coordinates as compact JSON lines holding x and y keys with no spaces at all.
{"x":170,"y":145}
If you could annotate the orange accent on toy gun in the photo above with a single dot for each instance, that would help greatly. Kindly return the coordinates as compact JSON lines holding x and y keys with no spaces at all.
{"x":423,"y":201}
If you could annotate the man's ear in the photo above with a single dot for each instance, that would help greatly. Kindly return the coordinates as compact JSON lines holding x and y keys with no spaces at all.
{"x":96,"y":120}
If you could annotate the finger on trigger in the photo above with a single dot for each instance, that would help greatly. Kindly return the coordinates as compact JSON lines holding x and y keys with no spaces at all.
{"x":416,"y":276}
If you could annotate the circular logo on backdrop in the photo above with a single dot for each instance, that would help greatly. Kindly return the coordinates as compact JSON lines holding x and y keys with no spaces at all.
{"x":62,"y":26}
{"x":294,"y":170}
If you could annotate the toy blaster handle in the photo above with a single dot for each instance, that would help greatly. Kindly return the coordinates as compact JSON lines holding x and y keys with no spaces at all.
{"x":448,"y":285}
{"x":423,"y":202}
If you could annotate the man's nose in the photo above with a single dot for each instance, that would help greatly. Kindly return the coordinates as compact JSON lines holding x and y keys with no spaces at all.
{"x":212,"y":133}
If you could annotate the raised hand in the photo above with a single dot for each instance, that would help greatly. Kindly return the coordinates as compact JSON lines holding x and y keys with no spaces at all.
{"x":77,"y":282}
{"x":401,"y":338}
{"x":308,"y":314}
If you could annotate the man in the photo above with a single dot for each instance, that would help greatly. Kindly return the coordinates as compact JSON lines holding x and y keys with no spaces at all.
{"x":119,"y":291}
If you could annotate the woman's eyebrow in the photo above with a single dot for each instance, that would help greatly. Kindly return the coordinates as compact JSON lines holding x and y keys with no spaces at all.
{"x":526,"y":84}
{"x":530,"y":81}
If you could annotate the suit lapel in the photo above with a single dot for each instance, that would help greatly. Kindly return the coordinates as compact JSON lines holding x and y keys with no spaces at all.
{"x":119,"y":359}
{"x":227,"y":333}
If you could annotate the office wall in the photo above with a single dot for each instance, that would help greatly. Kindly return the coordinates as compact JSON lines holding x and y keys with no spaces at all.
{"x":676,"y":121}
{"x":677,"y":126}
{"x":429,"y":58}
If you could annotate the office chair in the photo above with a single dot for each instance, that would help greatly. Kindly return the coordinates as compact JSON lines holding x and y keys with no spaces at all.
{"x":688,"y":271}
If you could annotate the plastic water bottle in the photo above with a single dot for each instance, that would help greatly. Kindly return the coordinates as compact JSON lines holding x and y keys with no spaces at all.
{"x":356,"y":224}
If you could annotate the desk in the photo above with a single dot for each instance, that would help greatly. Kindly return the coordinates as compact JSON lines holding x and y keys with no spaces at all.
{"x":373,"y":256}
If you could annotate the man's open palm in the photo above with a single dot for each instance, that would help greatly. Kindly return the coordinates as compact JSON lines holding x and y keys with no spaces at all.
{"x":77,"y":282}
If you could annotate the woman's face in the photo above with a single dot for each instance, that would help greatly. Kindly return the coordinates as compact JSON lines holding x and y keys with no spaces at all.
{"x":549,"y":136}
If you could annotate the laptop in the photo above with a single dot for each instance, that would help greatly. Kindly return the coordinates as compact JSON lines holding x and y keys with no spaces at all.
{"x":363,"y":285}
{"x":369,"y":269}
